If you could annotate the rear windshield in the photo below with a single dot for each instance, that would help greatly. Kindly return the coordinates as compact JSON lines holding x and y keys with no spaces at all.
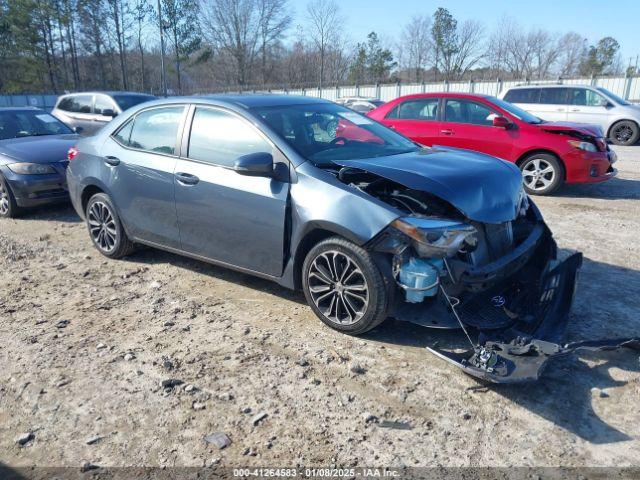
{"x":325,"y":132}
{"x":128,"y":101}
{"x":16,"y":124}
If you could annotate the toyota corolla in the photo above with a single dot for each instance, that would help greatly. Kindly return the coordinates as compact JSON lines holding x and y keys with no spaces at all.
{"x":315,"y":196}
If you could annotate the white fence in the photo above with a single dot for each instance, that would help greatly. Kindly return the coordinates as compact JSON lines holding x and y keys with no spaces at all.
{"x":625,"y":87}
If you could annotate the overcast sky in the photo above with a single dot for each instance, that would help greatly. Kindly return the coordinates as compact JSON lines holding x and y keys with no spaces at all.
{"x":590,"y":18}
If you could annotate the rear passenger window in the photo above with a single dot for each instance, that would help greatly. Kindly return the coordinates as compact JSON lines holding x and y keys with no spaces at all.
{"x":523,"y":95}
{"x":124,"y":134}
{"x":219,"y":138}
{"x":554,"y":96}
{"x":425,"y":109}
{"x":79,"y":104}
{"x":155,"y":130}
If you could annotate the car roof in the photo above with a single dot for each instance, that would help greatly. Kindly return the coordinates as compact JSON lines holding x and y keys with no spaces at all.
{"x":243,"y":101}
{"x":554,"y":85}
{"x":20,"y":109}
{"x":445,"y":94}
{"x":110,"y":93}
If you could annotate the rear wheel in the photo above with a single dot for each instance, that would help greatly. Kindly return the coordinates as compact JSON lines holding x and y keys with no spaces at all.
{"x":542,"y":173}
{"x":624,"y":133}
{"x":105,"y":228}
{"x":8,"y":206}
{"x":344,"y":287}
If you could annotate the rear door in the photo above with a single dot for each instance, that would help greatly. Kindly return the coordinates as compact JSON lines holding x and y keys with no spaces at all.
{"x":77,"y":111}
{"x":553,"y":104}
{"x":416,"y":119}
{"x":224,"y":216}
{"x":140,"y":159}
{"x":588,"y":106}
{"x":468,"y":124}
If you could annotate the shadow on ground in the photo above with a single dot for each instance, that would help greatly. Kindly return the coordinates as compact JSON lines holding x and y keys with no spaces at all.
{"x":63,"y":212}
{"x":614,"y":189}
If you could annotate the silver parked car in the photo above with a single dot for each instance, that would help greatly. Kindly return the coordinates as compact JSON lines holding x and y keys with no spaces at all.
{"x":312,"y":195}
{"x":89,"y":111}
{"x":360,"y":104}
{"x":618,"y":118}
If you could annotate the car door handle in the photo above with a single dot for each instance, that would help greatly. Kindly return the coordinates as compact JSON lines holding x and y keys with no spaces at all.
{"x":560,"y":110}
{"x":575,"y":110}
{"x":113,"y":161}
{"x":187,"y":178}
{"x":446,"y":132}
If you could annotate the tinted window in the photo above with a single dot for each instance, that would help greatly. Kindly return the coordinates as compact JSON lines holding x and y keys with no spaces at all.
{"x":554,"y":96}
{"x":326,"y":132}
{"x":78,"y":103}
{"x":464,"y":111}
{"x":523,"y":95}
{"x":589,"y":98}
{"x":156,"y":130}
{"x":220,"y":138}
{"x":65,"y":104}
{"x":425,"y":109}
{"x":128,"y":101}
{"x":103,"y":103}
{"x":15,"y":124}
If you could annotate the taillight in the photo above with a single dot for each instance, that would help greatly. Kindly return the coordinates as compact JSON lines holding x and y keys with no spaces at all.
{"x":72,"y":153}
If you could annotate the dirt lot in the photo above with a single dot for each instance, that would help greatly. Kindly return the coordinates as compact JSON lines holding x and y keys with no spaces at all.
{"x":87,"y":343}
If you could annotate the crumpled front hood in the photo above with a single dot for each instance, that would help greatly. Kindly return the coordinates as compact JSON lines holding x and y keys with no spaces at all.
{"x":581,"y":128}
{"x":42,"y":149}
{"x":484,"y":188}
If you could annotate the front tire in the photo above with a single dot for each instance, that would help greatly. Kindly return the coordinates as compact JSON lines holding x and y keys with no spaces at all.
{"x":542,"y":173}
{"x":8,"y":206}
{"x":624,"y":133}
{"x":344,"y":287}
{"x":105,"y":228}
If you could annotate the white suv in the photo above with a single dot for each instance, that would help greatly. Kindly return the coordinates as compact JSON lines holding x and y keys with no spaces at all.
{"x":619,"y":119}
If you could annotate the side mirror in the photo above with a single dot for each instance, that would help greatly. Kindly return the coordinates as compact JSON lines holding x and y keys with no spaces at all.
{"x":109,"y":112}
{"x":609,"y":105}
{"x":78,"y":130}
{"x":258,"y":164}
{"x":501,"y":122}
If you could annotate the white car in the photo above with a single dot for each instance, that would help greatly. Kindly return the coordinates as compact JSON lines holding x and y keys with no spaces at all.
{"x":618,"y":118}
{"x":360,"y":104}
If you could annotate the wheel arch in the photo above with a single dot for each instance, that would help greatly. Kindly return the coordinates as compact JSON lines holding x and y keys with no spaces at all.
{"x":545,"y":151}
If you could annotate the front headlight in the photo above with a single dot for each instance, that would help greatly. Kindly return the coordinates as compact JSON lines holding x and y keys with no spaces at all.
{"x":31,"y":168}
{"x":437,"y":237}
{"x":587,"y":146}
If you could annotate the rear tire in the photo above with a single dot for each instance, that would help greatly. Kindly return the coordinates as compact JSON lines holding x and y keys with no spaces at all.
{"x":105,"y":228}
{"x":8,"y":206}
{"x":542,"y":173}
{"x":344,"y":287}
{"x":624,"y":133}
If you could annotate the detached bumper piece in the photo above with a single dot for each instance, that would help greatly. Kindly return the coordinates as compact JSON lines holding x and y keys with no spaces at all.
{"x":520,"y":352}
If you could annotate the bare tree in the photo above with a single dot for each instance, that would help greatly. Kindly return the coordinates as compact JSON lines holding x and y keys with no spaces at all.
{"x":573,"y":50}
{"x":273,"y":21}
{"x":231,"y":28}
{"x":119,"y":14}
{"x":469,"y":51}
{"x":415,"y":50}
{"x":325,"y":24}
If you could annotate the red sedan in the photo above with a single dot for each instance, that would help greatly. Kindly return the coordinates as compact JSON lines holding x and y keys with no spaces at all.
{"x":548,"y":153}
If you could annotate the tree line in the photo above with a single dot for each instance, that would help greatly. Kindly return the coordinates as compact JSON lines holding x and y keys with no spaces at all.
{"x":210,"y":45}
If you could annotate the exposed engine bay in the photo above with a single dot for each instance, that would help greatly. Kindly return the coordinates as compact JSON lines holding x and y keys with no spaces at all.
{"x":500,"y":283}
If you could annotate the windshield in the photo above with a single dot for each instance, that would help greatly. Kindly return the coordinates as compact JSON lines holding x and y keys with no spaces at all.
{"x":30,"y":123}
{"x":516,"y":111}
{"x":613,"y":96}
{"x":128,"y":101}
{"x":322,"y":133}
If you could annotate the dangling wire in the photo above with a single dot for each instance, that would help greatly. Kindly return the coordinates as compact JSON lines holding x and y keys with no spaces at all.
{"x":455,"y":313}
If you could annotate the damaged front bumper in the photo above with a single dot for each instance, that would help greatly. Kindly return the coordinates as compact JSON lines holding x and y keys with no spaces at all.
{"x":521,"y":351}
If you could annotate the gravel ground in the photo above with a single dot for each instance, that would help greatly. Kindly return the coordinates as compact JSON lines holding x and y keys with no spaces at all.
{"x":134,"y":362}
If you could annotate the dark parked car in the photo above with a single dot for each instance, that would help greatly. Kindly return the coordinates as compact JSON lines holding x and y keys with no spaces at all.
{"x":90,"y":111}
{"x":33,"y":158}
{"x":368,"y":229}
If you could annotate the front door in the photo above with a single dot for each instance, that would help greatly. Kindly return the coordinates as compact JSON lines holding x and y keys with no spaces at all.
{"x":468,"y":124}
{"x":140,"y":160}
{"x":587,"y":106}
{"x":416,"y":119}
{"x":224,"y":216}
